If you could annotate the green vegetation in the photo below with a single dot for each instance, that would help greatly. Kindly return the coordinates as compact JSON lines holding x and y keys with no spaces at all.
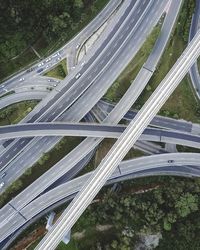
{"x":143,"y":206}
{"x":16,"y":112}
{"x":185,"y":19}
{"x":182,"y":103}
{"x":119,"y":87}
{"x":71,"y":246}
{"x":47,"y":161}
{"x":45,"y":26}
{"x":60,"y":70}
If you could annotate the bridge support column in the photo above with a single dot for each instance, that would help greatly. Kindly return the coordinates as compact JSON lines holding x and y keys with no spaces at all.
{"x":50,"y":218}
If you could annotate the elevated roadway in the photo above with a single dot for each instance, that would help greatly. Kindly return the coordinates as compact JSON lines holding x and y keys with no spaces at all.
{"x":26,"y":154}
{"x":95,"y":130}
{"x":183,"y":165}
{"x":194,"y":71}
{"x":121,"y":147}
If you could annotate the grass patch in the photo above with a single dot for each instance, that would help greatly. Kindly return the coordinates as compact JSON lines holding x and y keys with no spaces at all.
{"x":16,"y":112}
{"x":182,"y":103}
{"x":71,"y":246}
{"x":120,"y":86}
{"x":47,"y":161}
{"x":60,"y":71}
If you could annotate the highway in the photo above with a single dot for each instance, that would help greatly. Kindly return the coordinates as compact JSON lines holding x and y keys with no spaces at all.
{"x":183,"y":165}
{"x":68,"y":88}
{"x":121,"y":147}
{"x":194,"y":71}
{"x":96,"y":130}
{"x":158,"y":121}
{"x":53,"y":93}
{"x":62,"y":53}
{"x":25,"y":157}
{"x":83,"y":111}
{"x":70,"y":160}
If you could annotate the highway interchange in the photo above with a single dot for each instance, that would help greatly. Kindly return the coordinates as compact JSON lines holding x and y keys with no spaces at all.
{"x":68,"y":102}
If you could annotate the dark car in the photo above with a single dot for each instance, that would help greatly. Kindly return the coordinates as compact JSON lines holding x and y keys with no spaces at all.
{"x":39,"y":70}
{"x":170,"y":161}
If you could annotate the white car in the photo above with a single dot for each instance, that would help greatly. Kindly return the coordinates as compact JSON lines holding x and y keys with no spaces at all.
{"x":48,"y":59}
{"x":21,"y":79}
{"x":78,"y":75}
{"x":82,"y":63}
{"x":2,"y":184}
{"x":40,"y":64}
{"x":78,"y":45}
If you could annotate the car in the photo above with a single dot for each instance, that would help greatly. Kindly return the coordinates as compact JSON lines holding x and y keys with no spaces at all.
{"x":21,"y":79}
{"x":40,"y":64}
{"x":54,"y":55}
{"x":78,"y":45}
{"x":3,"y":175}
{"x":2,"y":85}
{"x":82,"y":63}
{"x":78,"y":75}
{"x":55,"y":85}
{"x":58,"y":59}
{"x":57,"y":81}
{"x":29,"y":70}
{"x":39,"y":70}
{"x":170,"y":161}
{"x":51,"y":80}
{"x":2,"y":184}
{"x":48,"y":59}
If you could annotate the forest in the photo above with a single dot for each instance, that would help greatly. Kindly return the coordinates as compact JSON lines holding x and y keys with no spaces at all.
{"x":23,"y":22}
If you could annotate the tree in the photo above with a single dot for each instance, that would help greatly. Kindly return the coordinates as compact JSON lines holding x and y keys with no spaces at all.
{"x":186,"y":204}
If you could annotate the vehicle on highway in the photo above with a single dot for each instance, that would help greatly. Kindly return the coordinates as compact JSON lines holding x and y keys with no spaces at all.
{"x":48,"y":59}
{"x":29,"y":70}
{"x":78,"y":75}
{"x":39,"y":70}
{"x":78,"y":45}
{"x":82,"y":63}
{"x":2,"y":184}
{"x":3,"y":175}
{"x":2,"y":85}
{"x":170,"y":161}
{"x":40,"y":64}
{"x":21,"y":79}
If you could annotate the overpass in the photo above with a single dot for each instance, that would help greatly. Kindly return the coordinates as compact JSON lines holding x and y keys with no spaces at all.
{"x":121,"y":147}
{"x":95,"y":130}
{"x":184,"y":164}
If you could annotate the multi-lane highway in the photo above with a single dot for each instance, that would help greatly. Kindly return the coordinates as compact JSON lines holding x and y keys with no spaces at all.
{"x":74,"y":97}
{"x":176,"y":164}
{"x":96,"y":130}
{"x":24,"y":158}
{"x":121,"y":147}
